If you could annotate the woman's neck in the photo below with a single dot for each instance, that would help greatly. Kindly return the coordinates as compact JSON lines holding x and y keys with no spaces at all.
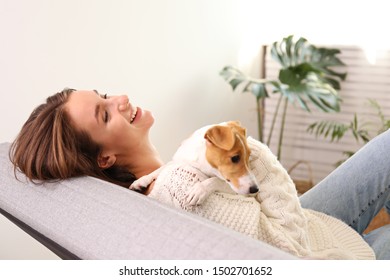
{"x":151,"y":164}
{"x":143,"y":161}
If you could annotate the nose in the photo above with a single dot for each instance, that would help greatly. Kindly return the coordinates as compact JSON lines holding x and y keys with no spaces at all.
{"x":253,"y":189}
{"x":123,"y":102}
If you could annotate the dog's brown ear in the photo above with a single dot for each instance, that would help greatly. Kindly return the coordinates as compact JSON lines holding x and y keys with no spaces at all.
{"x":234,"y":123}
{"x":237,"y":125}
{"x":221,"y":136}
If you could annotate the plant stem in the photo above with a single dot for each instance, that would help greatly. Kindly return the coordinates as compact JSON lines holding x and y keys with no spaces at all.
{"x":260,"y":108}
{"x":274,"y":120}
{"x":282,"y":128}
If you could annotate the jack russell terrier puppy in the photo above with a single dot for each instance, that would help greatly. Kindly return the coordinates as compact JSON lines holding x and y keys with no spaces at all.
{"x":222,"y":153}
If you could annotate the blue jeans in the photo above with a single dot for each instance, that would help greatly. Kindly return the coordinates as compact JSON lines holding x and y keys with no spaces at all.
{"x":357,"y":190}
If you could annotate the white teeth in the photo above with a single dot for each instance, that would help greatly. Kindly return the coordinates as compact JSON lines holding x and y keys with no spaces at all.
{"x":134,"y":113}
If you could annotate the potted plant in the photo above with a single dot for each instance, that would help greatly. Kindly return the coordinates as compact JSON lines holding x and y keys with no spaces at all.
{"x":306,"y":77}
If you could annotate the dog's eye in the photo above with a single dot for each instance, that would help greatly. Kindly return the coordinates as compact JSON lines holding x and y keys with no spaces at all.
{"x":235,"y":159}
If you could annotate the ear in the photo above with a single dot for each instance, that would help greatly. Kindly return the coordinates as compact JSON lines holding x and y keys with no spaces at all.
{"x":221,"y":136}
{"x":237,"y":125}
{"x":106,"y":161}
{"x":234,"y":123}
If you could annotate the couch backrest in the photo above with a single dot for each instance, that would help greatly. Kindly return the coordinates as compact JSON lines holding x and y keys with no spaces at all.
{"x":92,"y":219}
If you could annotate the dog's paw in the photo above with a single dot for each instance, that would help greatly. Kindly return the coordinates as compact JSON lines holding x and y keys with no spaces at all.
{"x":196,"y":195}
{"x":141,"y":184}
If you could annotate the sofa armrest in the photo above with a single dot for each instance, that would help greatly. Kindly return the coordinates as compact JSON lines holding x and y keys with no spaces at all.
{"x":88,"y":218}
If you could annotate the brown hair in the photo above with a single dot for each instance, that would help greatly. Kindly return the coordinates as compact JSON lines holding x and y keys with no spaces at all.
{"x":49,"y":148}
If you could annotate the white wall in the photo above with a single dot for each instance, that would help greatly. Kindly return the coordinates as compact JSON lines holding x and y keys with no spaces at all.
{"x":165,"y":54}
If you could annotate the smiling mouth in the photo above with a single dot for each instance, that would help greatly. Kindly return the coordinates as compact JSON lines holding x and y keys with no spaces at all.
{"x":134,"y":111}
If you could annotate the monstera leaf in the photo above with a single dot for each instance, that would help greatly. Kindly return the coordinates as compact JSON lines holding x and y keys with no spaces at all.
{"x":235,"y":78}
{"x":306,"y":74}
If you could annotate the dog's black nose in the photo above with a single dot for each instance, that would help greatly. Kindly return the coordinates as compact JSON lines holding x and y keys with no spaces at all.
{"x":253,"y":189}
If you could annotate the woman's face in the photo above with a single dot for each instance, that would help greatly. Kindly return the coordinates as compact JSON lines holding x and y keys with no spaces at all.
{"x":112,"y":121}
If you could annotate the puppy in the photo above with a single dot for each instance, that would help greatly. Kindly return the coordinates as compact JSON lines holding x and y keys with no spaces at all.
{"x":222,"y":153}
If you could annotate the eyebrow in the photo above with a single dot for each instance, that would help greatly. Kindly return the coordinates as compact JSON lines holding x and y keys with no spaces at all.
{"x":97,"y":108}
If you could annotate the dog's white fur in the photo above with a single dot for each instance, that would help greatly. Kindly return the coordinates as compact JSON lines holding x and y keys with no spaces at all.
{"x":193,"y":150}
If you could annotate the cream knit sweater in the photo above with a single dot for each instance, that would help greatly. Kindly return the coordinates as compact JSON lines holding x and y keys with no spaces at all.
{"x":274,"y":215}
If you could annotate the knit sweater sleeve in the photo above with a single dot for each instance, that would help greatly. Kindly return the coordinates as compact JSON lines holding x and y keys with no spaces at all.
{"x":277,"y":195}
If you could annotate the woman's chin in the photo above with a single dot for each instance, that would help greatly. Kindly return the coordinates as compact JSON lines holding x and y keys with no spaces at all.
{"x":146,"y":120}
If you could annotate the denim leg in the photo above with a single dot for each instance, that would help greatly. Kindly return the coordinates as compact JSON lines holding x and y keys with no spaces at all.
{"x":387,"y":207}
{"x":379,"y":241}
{"x":357,"y":190}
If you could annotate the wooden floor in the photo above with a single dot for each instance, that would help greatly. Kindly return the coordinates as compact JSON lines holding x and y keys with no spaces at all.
{"x":381,"y":219}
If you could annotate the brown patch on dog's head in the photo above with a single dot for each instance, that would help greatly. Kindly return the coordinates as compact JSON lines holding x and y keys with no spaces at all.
{"x":228,"y":151}
{"x":224,"y":136}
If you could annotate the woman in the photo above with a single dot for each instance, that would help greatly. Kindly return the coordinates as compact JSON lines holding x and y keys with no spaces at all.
{"x":80,"y":133}
{"x":85,"y":133}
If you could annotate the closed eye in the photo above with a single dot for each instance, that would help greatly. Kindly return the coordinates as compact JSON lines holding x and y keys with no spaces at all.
{"x":105,"y":118}
{"x":99,"y":108}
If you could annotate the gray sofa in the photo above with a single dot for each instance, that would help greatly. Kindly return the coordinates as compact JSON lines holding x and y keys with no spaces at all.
{"x":86,"y":218}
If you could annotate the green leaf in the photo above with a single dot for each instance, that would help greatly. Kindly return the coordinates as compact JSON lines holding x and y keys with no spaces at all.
{"x":306,"y":72}
{"x":289,"y":77}
{"x":288,"y":47}
{"x":303,"y":103}
{"x":275,"y":54}
{"x":259,"y":90}
{"x":235,"y":83}
{"x":298,"y":49}
{"x":333,"y":129}
{"x":235,"y":78}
